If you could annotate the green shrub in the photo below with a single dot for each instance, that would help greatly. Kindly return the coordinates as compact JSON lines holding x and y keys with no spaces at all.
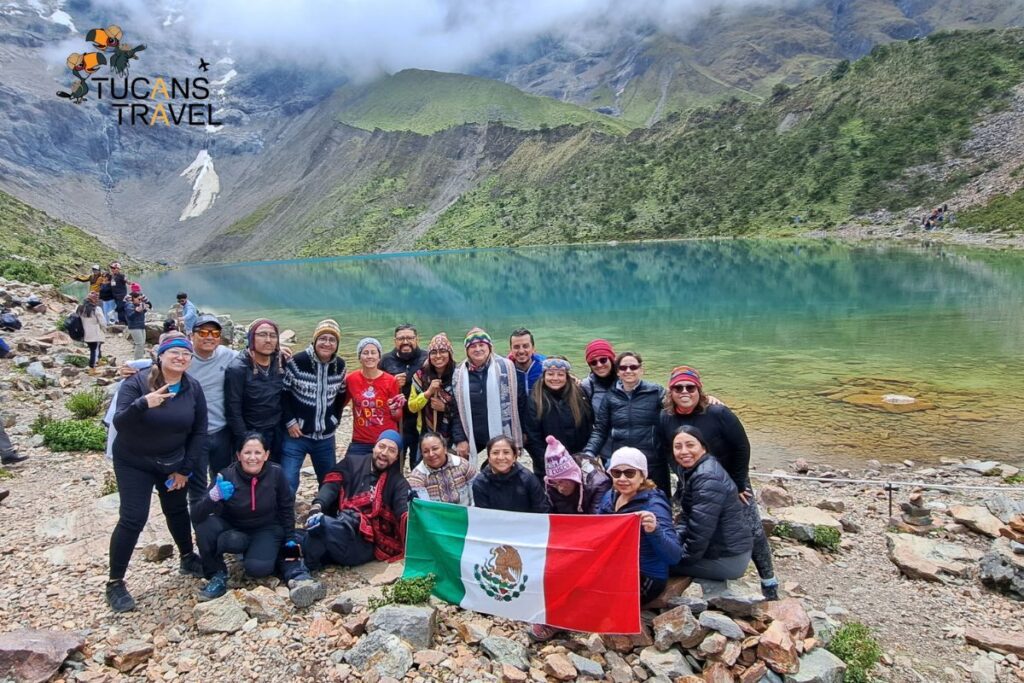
{"x":782,"y":530}
{"x":74,"y":435}
{"x":24,"y":271}
{"x":6,"y":473}
{"x":854,"y":644}
{"x":86,"y":404}
{"x":1014,"y":479}
{"x":77,"y":361}
{"x":826,"y":538}
{"x":406,"y":592}
{"x":38,"y":424}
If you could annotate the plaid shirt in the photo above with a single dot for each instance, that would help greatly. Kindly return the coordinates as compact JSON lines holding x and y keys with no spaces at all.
{"x":448,"y":484}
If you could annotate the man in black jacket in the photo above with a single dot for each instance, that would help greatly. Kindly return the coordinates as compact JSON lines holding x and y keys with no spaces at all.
{"x":119,"y":289}
{"x":403,"y":361}
{"x":252,"y":388}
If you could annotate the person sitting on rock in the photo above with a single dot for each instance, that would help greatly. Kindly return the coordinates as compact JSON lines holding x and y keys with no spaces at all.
{"x":573,"y":485}
{"x":250,"y":510}
{"x":504,"y":484}
{"x":360,"y":512}
{"x":712,"y":527}
{"x":440,"y":475}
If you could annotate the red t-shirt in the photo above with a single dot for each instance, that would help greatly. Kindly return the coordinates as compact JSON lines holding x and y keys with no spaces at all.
{"x":370,"y":412}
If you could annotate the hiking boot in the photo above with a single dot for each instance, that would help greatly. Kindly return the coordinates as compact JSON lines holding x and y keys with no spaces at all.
{"x":118,"y":597}
{"x":304,"y":592}
{"x":12,"y":457}
{"x":214,"y":588}
{"x":3,"y":494}
{"x":191,"y":565}
{"x":541,"y":632}
{"x":770,"y":589}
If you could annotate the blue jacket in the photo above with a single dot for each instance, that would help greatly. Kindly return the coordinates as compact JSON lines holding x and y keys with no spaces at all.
{"x":658,"y":550}
{"x":529,"y":376}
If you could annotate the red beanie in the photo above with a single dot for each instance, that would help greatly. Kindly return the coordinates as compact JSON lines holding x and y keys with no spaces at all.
{"x":599,"y":348}
{"x":683,"y":373}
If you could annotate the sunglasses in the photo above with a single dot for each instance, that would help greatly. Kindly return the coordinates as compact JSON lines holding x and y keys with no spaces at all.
{"x":203,"y":334}
{"x":629,"y":368}
{"x":687,"y":388}
{"x":619,"y":474}
{"x":598,"y":361}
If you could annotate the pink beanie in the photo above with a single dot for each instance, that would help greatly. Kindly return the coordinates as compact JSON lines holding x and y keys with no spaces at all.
{"x":629,"y":457}
{"x":559,"y":465}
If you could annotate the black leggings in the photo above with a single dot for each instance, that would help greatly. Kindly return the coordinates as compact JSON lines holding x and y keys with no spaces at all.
{"x":762,"y":554}
{"x":136,"y":479}
{"x":94,"y":353}
{"x":259,"y":548}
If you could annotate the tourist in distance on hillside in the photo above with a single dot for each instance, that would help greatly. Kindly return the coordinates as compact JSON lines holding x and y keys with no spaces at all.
{"x":440,"y":475}
{"x":686,"y":403}
{"x":632,"y":492}
{"x":522,"y":352}
{"x":119,"y":290}
{"x":95,"y":327}
{"x":314,"y":396}
{"x":574,"y":485}
{"x":161,"y":426}
{"x":377,"y":402}
{"x":504,"y":484}
{"x":600,"y":356}
{"x":249,"y":510}
{"x":490,"y":401}
{"x":402,"y":362}
{"x":629,"y":417}
{"x":713,"y":529}
{"x":360,"y":512}
{"x":184,"y":313}
{"x":559,"y":406}
{"x":135,"y":315}
{"x":253,"y":383}
{"x":96,"y":278}
{"x":432,"y":394}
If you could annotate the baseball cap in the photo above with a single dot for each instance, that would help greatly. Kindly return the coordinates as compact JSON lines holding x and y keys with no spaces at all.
{"x":208,"y":319}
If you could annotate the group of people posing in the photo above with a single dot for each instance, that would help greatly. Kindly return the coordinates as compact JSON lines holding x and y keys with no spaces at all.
{"x":222,"y":436}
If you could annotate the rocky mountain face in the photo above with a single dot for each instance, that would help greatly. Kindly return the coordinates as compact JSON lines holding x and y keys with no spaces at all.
{"x":281,"y":176}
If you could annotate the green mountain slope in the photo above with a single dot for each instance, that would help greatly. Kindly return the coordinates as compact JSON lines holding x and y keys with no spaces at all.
{"x":429,"y":101}
{"x":35,"y":247}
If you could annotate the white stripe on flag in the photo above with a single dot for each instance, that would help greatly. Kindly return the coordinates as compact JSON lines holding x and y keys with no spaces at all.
{"x":482,"y":564}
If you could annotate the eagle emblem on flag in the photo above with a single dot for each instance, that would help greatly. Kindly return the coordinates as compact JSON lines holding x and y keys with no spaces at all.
{"x":501,"y":575}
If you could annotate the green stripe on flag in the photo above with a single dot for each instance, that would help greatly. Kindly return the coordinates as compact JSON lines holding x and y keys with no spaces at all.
{"x":435,"y":537}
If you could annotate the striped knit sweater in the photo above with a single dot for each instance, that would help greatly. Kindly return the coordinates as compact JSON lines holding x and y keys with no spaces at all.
{"x":314,"y":394}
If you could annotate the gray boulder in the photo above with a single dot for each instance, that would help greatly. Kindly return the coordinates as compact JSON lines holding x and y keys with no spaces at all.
{"x":381,"y":651}
{"x":414,"y":625}
{"x":1003,"y":569}
{"x":223,"y":615}
{"x":35,"y":655}
{"x":716,"y":621}
{"x":670,"y":664}
{"x":819,"y":666}
{"x":506,"y":651}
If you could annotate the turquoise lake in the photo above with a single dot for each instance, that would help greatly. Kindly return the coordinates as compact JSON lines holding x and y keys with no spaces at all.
{"x":801,"y":339}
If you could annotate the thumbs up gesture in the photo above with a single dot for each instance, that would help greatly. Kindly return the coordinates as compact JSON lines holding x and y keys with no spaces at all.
{"x":221,"y":490}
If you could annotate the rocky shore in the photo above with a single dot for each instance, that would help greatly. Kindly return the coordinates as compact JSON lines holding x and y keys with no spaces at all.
{"x":938,"y":579}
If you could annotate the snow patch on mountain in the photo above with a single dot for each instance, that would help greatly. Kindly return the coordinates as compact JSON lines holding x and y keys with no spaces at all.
{"x":205,"y":185}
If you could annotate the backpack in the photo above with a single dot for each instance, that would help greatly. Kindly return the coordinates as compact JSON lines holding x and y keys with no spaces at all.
{"x":9,"y":321}
{"x":74,"y":327}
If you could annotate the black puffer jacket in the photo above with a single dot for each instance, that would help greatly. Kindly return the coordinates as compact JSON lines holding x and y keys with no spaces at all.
{"x":557,"y":421}
{"x":596,"y":390}
{"x":259,"y":502}
{"x":629,"y":419}
{"x":252,"y":397}
{"x":711,"y":523}
{"x":515,"y":491}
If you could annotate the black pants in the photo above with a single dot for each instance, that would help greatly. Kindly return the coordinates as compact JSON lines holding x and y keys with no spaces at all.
{"x":762,"y":554}
{"x":119,"y":308}
{"x":337,"y":541}
{"x":215,"y":456}
{"x":658,"y":473}
{"x":258,"y":548}
{"x":94,"y":353}
{"x":136,"y":479}
{"x":411,"y":445}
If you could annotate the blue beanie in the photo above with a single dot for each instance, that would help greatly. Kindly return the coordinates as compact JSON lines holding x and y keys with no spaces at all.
{"x":391,"y":435}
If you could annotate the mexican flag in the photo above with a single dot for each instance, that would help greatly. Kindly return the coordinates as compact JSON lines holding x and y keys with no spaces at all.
{"x":577,"y":572}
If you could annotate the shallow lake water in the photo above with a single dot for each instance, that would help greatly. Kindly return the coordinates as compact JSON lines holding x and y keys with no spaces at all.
{"x":802,"y":339}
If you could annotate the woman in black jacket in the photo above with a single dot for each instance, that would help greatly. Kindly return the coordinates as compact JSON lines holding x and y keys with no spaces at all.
{"x":687,"y":404}
{"x":504,"y":484}
{"x":561,"y":409}
{"x":600,"y":356}
{"x":161,"y":430}
{"x":712,"y":529}
{"x":250,"y":509}
{"x":629,"y":417}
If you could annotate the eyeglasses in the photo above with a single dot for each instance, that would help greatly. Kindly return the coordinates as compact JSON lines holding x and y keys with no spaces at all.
{"x":598,"y":361}
{"x":266,"y":335}
{"x":203,"y":334}
{"x":687,"y":388}
{"x":620,"y":474}
{"x":327,"y":340}
{"x":176,"y":353}
{"x":438,"y":352}
{"x":628,"y":368}
{"x":405,"y":339}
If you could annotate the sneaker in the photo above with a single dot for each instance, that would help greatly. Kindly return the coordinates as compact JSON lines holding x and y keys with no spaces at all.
{"x":214,"y":588}
{"x":541,"y":632}
{"x":11,"y":458}
{"x":304,"y":592}
{"x":118,"y":597}
{"x":191,"y":565}
{"x":770,"y":589}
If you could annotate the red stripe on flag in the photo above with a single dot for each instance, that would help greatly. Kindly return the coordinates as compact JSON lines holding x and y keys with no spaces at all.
{"x":592,"y":573}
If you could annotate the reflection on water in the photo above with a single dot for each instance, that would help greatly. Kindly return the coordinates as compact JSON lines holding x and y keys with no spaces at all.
{"x":774,"y":326}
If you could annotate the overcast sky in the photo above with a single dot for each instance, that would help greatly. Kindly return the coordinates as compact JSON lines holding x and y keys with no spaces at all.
{"x":365,"y":37}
